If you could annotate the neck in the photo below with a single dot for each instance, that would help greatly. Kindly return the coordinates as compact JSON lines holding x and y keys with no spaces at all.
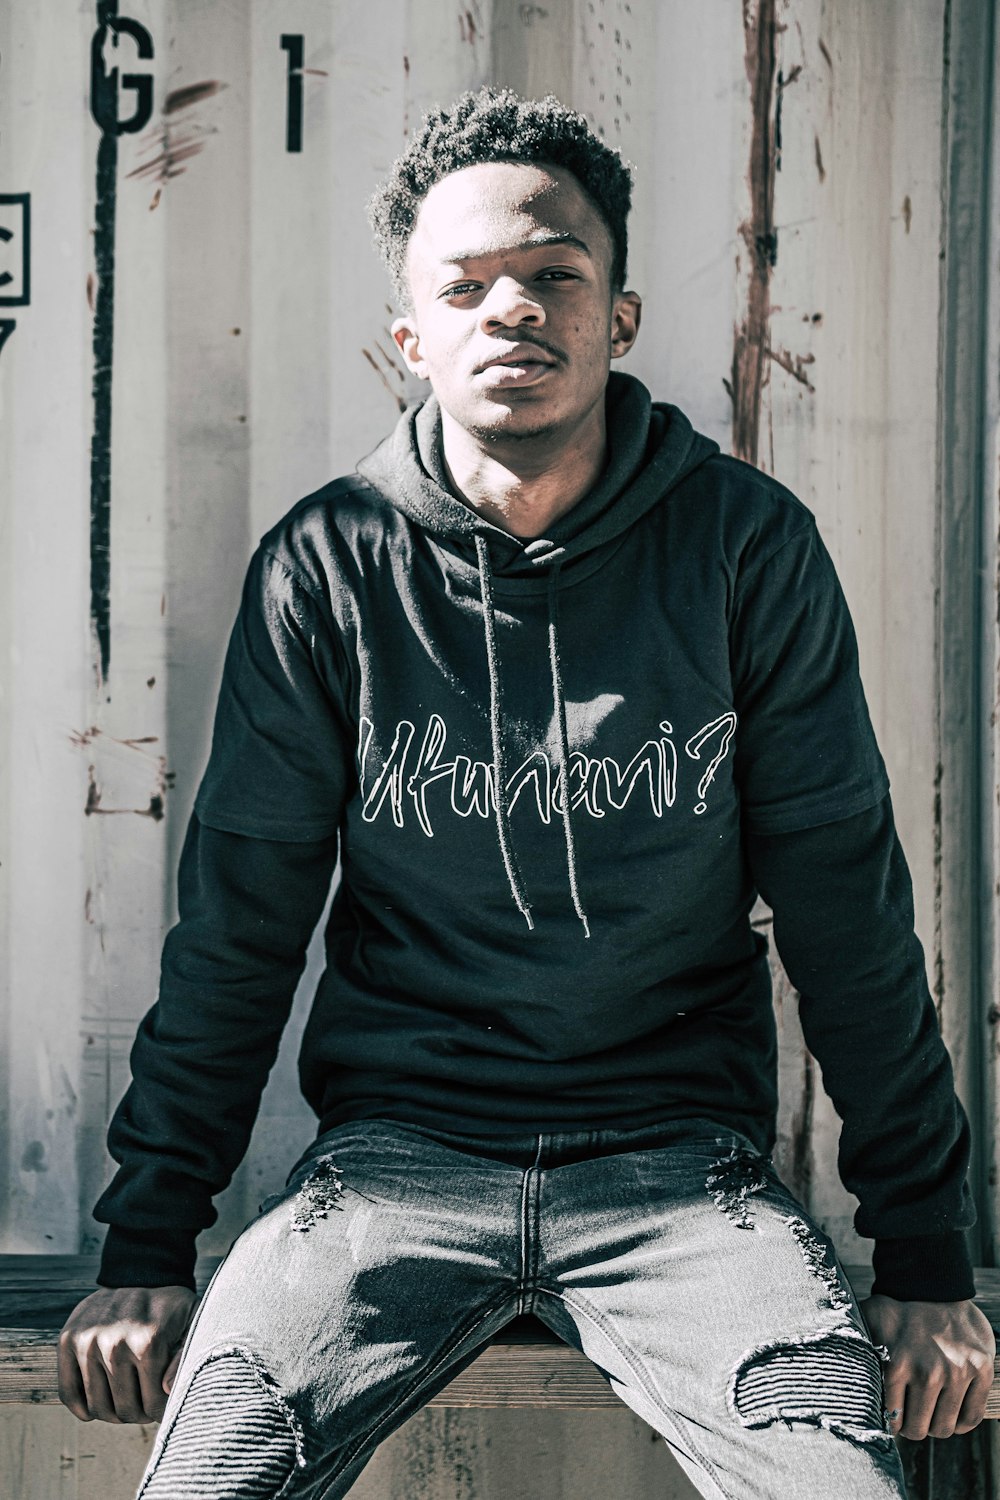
{"x":523,"y":485}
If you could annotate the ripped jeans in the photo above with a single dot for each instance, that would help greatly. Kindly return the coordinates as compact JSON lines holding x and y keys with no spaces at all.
{"x":673,"y":1256}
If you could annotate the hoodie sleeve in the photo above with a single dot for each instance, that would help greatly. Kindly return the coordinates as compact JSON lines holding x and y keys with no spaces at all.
{"x":822,"y":846}
{"x":254,"y":876}
{"x":842,"y":900}
{"x":203,"y":1052}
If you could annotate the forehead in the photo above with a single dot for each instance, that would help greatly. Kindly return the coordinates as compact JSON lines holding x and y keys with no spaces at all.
{"x":495,"y":207}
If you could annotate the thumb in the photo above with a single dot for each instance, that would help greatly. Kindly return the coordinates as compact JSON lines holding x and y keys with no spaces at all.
{"x":170,"y":1372}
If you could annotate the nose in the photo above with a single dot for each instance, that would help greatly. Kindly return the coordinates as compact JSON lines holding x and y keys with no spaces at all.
{"x":508,"y":304}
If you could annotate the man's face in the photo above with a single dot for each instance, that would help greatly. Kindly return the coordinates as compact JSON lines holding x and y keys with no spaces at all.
{"x":513,"y":323}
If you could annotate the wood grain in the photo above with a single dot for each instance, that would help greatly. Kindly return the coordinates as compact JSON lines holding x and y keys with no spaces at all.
{"x":525,"y":1365}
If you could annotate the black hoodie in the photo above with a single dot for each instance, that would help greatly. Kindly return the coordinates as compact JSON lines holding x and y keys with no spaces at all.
{"x":559,"y":772}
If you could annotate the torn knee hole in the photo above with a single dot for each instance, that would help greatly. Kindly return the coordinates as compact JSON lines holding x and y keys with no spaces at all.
{"x":734,"y":1180}
{"x":234,"y":1436}
{"x":320,"y":1193}
{"x":831,"y":1379}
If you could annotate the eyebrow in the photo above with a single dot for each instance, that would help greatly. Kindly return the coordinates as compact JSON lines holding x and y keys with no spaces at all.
{"x":534,"y":242}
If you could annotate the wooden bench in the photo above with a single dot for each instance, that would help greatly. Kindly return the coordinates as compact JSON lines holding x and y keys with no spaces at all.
{"x":525,"y":1365}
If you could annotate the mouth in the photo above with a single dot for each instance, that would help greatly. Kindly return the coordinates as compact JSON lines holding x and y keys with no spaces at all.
{"x":522,"y":365}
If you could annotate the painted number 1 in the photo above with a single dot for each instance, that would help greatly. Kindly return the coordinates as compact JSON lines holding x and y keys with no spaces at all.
{"x":294,"y":45}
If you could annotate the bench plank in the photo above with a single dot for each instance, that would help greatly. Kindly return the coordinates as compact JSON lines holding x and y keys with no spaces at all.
{"x":526,"y":1364}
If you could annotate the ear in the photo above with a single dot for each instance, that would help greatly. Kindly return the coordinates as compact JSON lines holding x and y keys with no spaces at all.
{"x":626,"y":315}
{"x":404,"y":332}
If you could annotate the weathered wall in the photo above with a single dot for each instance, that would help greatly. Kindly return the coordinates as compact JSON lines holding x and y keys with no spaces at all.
{"x":206,"y":340}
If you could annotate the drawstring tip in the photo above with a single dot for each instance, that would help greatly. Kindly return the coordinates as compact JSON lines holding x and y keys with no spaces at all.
{"x":527,"y":918}
{"x":586,"y":925}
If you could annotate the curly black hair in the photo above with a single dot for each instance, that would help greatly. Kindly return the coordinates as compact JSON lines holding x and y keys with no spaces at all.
{"x":495,"y":124}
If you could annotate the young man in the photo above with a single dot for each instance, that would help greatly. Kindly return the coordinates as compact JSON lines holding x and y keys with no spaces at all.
{"x":567,"y":687}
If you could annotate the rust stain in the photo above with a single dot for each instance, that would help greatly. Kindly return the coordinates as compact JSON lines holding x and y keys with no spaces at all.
{"x":751,"y":338}
{"x":819,"y":160}
{"x":826,"y":54}
{"x":91,"y":289}
{"x":390,"y":362}
{"x":907,"y":213}
{"x":155,"y":810}
{"x":175,"y":141}
{"x":316,"y":72}
{"x":793,"y":364}
{"x":467,"y":27}
{"x":191,"y":93}
{"x":81,"y":738}
{"x":399,"y":400}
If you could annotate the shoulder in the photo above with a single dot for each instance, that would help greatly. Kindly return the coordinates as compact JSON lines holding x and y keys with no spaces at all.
{"x":320,"y":539}
{"x":745,"y":516}
{"x":749,"y":496}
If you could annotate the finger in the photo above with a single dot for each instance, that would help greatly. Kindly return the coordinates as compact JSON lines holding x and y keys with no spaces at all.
{"x":894,"y":1399}
{"x":123,"y":1378}
{"x":170,"y":1373}
{"x":974,"y":1406}
{"x":918,"y":1410}
{"x":71,"y":1388}
{"x":947,"y":1408}
{"x":149,"y":1367}
{"x":100,"y":1403}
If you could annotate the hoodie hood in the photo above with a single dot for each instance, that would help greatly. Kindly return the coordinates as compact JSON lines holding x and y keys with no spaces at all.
{"x":652,"y":447}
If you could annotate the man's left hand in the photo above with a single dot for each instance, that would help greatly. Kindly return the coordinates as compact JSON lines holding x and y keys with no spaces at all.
{"x":940,"y":1367}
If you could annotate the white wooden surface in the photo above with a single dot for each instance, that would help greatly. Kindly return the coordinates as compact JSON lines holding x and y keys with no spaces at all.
{"x":252,"y":362}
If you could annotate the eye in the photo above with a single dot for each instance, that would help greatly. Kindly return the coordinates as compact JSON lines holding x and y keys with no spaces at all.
{"x":568,"y":275}
{"x":460,"y":289}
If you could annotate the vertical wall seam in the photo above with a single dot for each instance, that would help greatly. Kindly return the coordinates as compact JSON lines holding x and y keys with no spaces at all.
{"x":961,"y":764}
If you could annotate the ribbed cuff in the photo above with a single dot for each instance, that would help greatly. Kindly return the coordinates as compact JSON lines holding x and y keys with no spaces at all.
{"x":926,"y":1268}
{"x":147,"y":1257}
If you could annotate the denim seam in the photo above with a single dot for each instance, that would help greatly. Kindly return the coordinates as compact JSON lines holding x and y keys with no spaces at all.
{"x":372,"y":1437}
{"x":528,"y":1271}
{"x":645,"y":1381}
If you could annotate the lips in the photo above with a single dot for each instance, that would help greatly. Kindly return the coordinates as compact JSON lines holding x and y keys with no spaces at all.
{"x":522,"y":364}
{"x":517,"y":357}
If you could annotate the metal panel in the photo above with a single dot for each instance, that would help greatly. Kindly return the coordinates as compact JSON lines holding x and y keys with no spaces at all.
{"x":809,"y":175}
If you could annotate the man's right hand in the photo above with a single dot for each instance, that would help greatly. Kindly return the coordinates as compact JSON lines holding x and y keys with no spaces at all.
{"x":119,"y":1352}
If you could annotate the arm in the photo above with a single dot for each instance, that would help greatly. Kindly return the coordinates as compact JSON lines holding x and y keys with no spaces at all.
{"x":203,"y":1053}
{"x":199,"y":1064}
{"x":254,"y":875}
{"x":843,"y":924}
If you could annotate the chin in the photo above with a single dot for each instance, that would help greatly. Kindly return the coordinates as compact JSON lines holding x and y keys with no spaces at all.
{"x":499,"y":420}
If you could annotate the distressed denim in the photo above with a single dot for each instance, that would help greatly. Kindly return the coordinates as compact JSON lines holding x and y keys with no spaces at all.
{"x":673,"y":1256}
